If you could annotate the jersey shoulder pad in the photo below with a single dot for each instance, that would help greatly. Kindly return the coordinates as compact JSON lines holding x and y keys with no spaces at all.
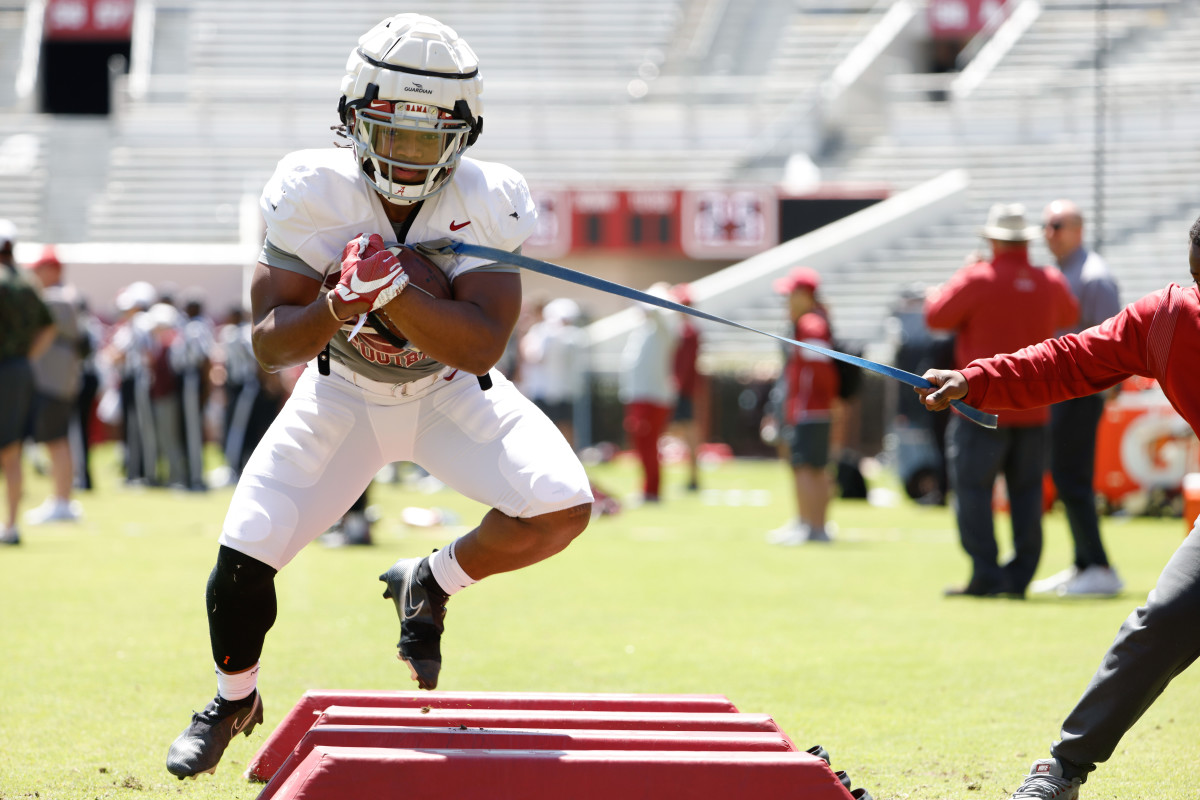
{"x":496,"y":197}
{"x":316,"y":202}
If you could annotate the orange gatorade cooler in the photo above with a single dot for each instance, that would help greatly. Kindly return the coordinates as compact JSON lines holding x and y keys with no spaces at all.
{"x":1191,"y":499}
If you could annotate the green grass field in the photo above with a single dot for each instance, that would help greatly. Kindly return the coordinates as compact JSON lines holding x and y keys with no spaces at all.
{"x":104,"y":643}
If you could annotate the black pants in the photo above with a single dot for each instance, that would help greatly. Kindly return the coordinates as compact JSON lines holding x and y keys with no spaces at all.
{"x":1155,"y":643}
{"x":1073,"y":425}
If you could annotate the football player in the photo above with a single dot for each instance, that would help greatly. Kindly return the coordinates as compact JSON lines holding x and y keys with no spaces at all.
{"x":410,"y":107}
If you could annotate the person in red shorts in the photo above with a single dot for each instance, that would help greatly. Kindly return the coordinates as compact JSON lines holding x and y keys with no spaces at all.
{"x":646,"y":389}
{"x":1154,"y":337}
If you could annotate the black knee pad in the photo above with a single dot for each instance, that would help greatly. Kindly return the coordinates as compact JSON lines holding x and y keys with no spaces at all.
{"x":241,"y":609}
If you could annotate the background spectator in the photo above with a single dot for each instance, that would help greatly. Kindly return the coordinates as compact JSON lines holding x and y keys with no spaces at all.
{"x":92,"y":336}
{"x":57,"y":376}
{"x":978,"y":304}
{"x":26,"y":331}
{"x":191,"y":360}
{"x":1073,"y":423}
{"x":555,"y":362}
{"x":129,"y":353}
{"x":646,"y":387}
{"x":687,"y":381}
{"x":809,"y":388}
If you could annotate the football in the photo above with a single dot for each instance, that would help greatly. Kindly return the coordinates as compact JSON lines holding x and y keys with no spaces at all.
{"x":423,"y":274}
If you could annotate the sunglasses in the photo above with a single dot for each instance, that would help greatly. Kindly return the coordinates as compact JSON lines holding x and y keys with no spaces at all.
{"x":1055,"y":226}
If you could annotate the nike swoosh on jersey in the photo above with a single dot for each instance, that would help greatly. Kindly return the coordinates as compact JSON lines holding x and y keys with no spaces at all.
{"x":360,"y":286}
{"x":454,"y":226}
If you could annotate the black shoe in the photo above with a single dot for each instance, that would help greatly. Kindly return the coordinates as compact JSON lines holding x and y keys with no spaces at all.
{"x":200,"y":747}
{"x":973,"y":590}
{"x":421,"y":606}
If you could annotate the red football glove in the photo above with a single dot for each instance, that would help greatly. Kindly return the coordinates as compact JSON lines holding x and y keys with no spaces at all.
{"x":371,"y":275}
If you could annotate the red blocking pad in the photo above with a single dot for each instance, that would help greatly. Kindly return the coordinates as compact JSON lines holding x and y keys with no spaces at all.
{"x":519,"y":718}
{"x":288,"y":733}
{"x":520,"y":739}
{"x":335,"y":773}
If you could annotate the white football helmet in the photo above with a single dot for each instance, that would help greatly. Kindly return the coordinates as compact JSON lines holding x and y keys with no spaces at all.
{"x":410,"y":103}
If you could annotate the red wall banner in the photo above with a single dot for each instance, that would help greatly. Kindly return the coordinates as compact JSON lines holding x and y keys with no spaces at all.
{"x":88,"y":20}
{"x":719,"y":223}
{"x":957,"y":19}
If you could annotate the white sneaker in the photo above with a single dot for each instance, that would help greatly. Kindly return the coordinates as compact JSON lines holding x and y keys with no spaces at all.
{"x":1045,"y":782}
{"x":1094,"y":580}
{"x":10,"y":535}
{"x":792,"y":534}
{"x":1055,"y":582}
{"x":54,"y":510}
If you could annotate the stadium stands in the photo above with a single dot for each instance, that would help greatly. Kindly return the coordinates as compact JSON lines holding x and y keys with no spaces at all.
{"x":651,"y":93}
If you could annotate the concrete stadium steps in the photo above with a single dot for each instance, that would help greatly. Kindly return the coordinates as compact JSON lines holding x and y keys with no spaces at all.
{"x":817,"y":35}
{"x":1064,"y":38}
{"x":12,"y":28}
{"x":571,"y":39}
{"x":156,"y":193}
{"x":1148,"y":199}
{"x":517,"y":745}
{"x":23,"y":172}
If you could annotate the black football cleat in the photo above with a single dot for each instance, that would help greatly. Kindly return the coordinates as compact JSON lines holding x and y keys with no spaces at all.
{"x":421,"y":607}
{"x":199,"y":748}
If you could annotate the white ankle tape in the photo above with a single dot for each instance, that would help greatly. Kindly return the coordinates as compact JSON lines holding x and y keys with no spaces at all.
{"x":448,"y":572}
{"x":238,"y":685}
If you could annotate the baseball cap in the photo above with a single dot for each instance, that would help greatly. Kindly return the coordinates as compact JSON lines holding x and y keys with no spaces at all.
{"x":682,"y":293}
{"x":798,"y":278}
{"x":48,"y":258}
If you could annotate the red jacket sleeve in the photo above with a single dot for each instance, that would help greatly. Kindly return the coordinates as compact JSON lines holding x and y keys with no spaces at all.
{"x":1075,"y":365}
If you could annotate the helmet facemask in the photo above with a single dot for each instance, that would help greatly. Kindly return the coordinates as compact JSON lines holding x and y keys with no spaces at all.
{"x":395,"y":138}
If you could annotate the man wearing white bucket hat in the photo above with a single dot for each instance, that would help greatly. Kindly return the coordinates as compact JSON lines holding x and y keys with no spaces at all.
{"x":998,"y":306}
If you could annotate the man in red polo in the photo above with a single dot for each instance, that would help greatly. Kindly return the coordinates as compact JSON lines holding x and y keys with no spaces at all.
{"x":998,"y":306}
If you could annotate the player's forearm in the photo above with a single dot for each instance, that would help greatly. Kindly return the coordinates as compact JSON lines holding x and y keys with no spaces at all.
{"x":291,"y":335}
{"x":456,"y":333}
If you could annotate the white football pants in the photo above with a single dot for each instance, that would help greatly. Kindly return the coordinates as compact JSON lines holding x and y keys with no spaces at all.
{"x":332,"y":436}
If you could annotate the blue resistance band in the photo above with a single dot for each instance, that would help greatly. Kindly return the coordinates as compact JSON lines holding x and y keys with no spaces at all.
{"x":592,"y":282}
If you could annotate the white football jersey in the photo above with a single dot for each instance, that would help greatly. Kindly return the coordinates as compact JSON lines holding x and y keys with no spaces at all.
{"x":318,"y":200}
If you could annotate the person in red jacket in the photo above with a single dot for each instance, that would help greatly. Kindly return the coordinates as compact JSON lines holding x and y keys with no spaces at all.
{"x":810,"y":386}
{"x":687,"y":385}
{"x":995,"y":306}
{"x":1154,"y":337}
